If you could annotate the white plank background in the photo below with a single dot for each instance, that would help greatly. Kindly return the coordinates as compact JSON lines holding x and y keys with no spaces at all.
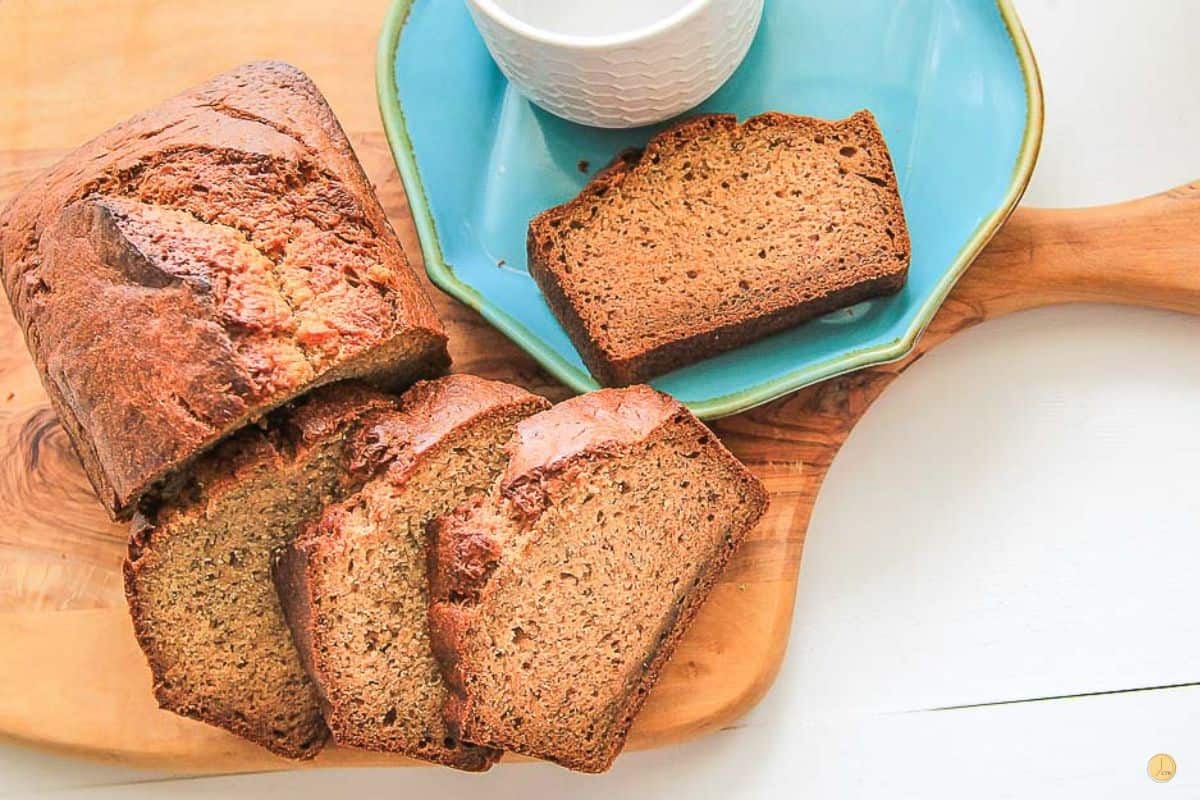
{"x":1017,"y":518}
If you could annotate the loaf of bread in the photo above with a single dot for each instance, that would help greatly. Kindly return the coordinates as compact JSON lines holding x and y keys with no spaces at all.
{"x":203,"y":263}
{"x":354,"y":586}
{"x":198,"y":573}
{"x":558,"y":596}
{"x":718,"y":234}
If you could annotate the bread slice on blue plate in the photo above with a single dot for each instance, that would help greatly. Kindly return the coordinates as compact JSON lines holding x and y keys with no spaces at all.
{"x":718,"y":234}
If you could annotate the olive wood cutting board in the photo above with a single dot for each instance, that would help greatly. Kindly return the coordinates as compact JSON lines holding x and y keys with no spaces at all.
{"x":73,"y":679}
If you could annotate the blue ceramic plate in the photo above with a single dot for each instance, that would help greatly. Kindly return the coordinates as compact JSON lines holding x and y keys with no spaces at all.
{"x":953,"y":84}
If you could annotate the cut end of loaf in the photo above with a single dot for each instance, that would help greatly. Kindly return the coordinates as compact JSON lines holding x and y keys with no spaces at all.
{"x":410,"y":357}
{"x":718,"y":234}
{"x":558,"y":597}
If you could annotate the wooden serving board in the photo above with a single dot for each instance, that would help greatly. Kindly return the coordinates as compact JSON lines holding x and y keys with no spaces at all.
{"x":71,"y":675}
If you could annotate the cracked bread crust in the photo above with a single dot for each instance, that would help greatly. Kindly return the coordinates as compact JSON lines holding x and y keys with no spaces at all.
{"x":289,"y":435}
{"x":692,"y":246}
{"x":431,"y":414}
{"x":202,"y":263}
{"x":468,"y":546}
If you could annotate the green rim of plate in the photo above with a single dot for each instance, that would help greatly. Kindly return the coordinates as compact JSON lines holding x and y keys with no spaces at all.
{"x":443,"y":276}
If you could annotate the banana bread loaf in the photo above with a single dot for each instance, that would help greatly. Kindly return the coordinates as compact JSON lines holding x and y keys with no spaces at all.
{"x":558,"y":596}
{"x":718,"y":234}
{"x":203,"y":263}
{"x":354,"y":586}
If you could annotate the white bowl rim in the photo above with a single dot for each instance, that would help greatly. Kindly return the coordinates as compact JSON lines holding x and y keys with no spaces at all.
{"x":524,"y":29}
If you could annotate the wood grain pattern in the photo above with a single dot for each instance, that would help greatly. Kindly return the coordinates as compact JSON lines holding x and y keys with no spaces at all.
{"x":71,"y":676}
{"x":73,"y":68}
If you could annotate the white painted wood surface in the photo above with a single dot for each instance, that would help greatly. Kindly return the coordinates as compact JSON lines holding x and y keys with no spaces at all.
{"x":1059,"y":558}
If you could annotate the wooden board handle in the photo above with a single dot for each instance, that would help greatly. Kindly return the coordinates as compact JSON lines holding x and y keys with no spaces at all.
{"x":1142,"y":252}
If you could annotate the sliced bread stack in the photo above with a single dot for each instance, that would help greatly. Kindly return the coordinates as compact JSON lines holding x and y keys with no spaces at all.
{"x":450,"y":574}
{"x":354,"y":586}
{"x":447,"y":574}
{"x":198,"y":577}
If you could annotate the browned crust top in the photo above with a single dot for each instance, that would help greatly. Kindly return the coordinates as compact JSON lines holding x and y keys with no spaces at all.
{"x":596,"y":421}
{"x":151,"y":272}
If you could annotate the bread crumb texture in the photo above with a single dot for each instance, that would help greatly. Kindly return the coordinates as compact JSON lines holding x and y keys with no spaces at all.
{"x":718,"y":234}
{"x":558,"y":596}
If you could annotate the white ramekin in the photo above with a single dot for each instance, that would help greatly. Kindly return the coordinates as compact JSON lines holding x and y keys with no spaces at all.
{"x":633,"y":78}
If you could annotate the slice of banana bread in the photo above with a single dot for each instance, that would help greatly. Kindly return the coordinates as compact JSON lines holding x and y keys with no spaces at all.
{"x":202,"y":263}
{"x":718,"y":234}
{"x":557,"y":597}
{"x":198,"y":574}
{"x":354,"y":586}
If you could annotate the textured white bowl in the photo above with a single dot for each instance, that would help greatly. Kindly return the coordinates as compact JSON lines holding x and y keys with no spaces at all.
{"x":627,"y":79}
